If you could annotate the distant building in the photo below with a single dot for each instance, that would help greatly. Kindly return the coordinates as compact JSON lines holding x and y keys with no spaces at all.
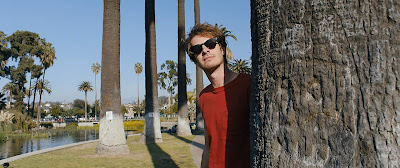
{"x":66,"y":106}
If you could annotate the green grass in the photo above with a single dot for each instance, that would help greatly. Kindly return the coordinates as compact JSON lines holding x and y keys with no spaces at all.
{"x":172,"y":152}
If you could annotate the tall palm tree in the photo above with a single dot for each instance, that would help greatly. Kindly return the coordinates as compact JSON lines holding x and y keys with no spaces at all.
{"x":227,"y":33}
{"x":111,"y":133}
{"x":96,"y":69}
{"x":47,"y":56}
{"x":8,"y":88}
{"x":85,"y":86}
{"x":183,"y":120}
{"x":199,"y":74}
{"x":138,"y":70}
{"x":152,"y":115}
{"x":42,"y":85}
{"x":36,"y":72}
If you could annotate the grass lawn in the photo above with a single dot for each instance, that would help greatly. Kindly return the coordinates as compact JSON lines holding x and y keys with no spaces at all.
{"x":173,"y":152}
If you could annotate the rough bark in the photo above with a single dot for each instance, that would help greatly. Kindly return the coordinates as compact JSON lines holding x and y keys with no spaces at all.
{"x":183,"y":120}
{"x":152,"y":114}
{"x":111,"y":132}
{"x":325,"y":84}
{"x":199,"y":75}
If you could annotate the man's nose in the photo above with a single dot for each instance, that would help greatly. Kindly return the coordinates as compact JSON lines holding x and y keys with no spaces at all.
{"x":204,"y":49}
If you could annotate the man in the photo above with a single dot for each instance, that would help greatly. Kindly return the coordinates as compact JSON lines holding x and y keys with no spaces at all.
{"x":224,"y":103}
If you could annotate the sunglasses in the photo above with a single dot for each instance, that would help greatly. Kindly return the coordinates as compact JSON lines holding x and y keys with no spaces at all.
{"x":210,"y":44}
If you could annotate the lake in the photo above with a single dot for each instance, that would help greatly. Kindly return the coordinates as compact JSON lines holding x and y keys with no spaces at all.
{"x":20,"y":145}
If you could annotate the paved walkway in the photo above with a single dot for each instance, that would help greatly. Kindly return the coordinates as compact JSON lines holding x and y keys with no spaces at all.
{"x":197,"y":149}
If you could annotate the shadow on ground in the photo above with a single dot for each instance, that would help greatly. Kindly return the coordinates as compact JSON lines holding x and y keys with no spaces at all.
{"x":159,"y":157}
{"x":201,"y":146}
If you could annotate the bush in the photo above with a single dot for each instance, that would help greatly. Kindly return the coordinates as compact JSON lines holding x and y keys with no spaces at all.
{"x":72,"y":126}
{"x":48,"y":125}
{"x":135,"y":125}
{"x":22,"y":121}
{"x":2,"y":137}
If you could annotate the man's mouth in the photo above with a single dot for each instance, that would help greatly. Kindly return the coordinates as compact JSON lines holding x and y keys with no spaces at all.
{"x":208,"y":58}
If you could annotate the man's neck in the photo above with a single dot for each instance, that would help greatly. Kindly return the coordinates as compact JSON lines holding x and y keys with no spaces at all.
{"x":221,"y":76}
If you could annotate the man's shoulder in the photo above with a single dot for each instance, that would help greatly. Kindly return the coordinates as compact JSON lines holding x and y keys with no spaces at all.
{"x":244,"y":79}
{"x":207,"y":89}
{"x":245,"y":76}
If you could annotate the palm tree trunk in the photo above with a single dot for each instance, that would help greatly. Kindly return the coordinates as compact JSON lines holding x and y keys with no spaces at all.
{"x":111,"y":133}
{"x":199,"y":75}
{"x":40,"y":97}
{"x":183,"y":120}
{"x":34,"y":98}
{"x":152,"y":114}
{"x":325,"y":83}
{"x":138,"y":96}
{"x":95,"y":97}
{"x":86,"y":106}
{"x":29,"y":94}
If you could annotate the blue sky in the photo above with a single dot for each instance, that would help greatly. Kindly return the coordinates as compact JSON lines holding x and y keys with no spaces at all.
{"x":74,"y":27}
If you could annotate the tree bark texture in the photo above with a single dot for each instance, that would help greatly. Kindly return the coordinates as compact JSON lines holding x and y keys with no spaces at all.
{"x":325,"y":84}
{"x":152,"y":114}
{"x":111,"y":132}
{"x":183,"y":120}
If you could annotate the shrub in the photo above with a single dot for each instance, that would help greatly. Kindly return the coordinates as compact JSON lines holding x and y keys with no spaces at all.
{"x":22,"y":121}
{"x":47,"y":125}
{"x":2,"y":137}
{"x":72,"y":126}
{"x":135,"y":125}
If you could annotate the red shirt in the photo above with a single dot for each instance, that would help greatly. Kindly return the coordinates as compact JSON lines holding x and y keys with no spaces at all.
{"x":226,"y":117}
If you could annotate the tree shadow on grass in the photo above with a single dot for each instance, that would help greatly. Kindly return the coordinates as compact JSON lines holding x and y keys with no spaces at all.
{"x":159,"y":157}
{"x":199,"y":145}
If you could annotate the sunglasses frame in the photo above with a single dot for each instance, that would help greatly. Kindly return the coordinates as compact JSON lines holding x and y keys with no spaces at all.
{"x":214,"y":40}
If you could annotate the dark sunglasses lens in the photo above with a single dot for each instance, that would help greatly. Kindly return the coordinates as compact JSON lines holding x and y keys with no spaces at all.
{"x":210,"y":44}
{"x":196,"y":49}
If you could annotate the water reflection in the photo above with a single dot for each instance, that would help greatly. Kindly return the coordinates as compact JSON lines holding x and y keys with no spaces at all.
{"x":20,"y":145}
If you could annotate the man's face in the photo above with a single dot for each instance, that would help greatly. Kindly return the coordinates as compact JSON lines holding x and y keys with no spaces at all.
{"x":208,"y":59}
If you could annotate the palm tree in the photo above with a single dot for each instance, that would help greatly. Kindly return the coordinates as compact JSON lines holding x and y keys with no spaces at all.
{"x":229,"y":53}
{"x":111,"y":132}
{"x":8,"y":88}
{"x":47,"y":56}
{"x":36,"y":72}
{"x":199,"y":74}
{"x":183,"y":120}
{"x":42,"y":85}
{"x":239,"y":66}
{"x":138,"y":70}
{"x":152,"y":115}
{"x":96,"y":69}
{"x":85,"y":86}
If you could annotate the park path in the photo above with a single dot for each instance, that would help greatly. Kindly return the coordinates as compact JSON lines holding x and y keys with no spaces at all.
{"x":197,"y":146}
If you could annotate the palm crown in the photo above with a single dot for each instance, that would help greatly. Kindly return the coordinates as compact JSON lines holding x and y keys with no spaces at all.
{"x":96,"y":68}
{"x":85,"y":86}
{"x":138,"y":68}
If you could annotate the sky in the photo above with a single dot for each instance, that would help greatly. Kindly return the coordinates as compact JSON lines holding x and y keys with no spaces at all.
{"x":74,"y":28}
